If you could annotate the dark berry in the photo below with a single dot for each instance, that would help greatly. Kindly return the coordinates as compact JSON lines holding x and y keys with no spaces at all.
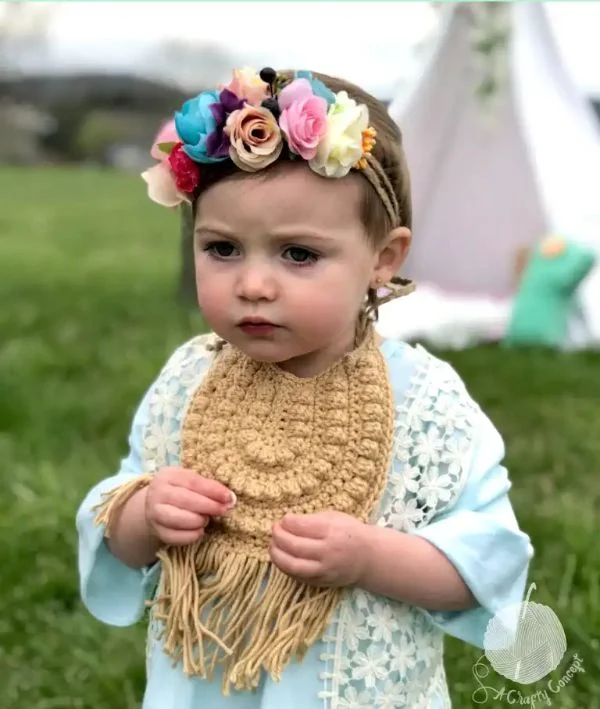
{"x":268,"y":75}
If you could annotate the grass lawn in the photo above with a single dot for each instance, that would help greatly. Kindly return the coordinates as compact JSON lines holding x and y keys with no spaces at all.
{"x":88,"y":272}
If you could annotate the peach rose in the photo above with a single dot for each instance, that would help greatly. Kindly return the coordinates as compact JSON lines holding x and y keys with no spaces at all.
{"x":246,"y":83}
{"x":255,"y":138}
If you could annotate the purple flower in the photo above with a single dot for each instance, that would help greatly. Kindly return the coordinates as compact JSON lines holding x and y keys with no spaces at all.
{"x":217,"y":142}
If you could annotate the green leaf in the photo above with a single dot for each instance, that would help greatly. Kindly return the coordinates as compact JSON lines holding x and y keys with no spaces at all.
{"x":166,"y":147}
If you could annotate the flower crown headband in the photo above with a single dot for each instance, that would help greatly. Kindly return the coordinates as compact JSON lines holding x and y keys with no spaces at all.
{"x":258,"y":118}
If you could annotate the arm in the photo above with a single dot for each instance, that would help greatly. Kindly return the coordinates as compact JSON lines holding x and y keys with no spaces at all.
{"x":421,"y":575}
{"x":132,"y":539}
{"x":113,"y":591}
{"x":469,"y":563}
{"x":117,"y":550}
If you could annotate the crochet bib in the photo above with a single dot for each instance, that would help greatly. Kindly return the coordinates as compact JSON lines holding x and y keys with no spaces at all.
{"x":282,"y":444}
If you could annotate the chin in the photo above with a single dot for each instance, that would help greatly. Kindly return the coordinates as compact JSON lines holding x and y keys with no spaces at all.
{"x":269,"y":351}
{"x":265,"y":352}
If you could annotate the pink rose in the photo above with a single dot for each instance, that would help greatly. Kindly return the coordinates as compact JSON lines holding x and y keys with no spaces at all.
{"x":303,"y":118}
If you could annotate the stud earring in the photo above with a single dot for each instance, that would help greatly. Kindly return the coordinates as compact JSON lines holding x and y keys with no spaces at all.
{"x":396,"y":288}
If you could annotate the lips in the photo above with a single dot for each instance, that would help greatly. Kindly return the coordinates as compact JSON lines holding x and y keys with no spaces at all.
{"x":256,"y":321}
{"x":257,"y":326}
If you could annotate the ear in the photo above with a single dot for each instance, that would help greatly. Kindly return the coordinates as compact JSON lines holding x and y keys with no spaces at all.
{"x":392,"y":254}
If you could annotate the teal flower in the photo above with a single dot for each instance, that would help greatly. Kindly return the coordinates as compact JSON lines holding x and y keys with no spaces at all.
{"x":318,"y":87}
{"x":195,"y":122}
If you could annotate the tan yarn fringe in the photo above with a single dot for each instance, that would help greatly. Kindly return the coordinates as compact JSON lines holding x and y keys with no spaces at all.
{"x":243,"y":615}
{"x":261,"y":617}
{"x":113,"y":502}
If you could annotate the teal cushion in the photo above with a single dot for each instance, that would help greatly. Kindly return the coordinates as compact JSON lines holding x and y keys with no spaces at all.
{"x":546,"y":296}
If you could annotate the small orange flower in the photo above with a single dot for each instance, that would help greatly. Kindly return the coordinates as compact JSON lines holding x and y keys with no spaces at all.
{"x":368,"y":143}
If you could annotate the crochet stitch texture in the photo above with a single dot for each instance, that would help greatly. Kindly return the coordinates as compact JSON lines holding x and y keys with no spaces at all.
{"x":282,"y":444}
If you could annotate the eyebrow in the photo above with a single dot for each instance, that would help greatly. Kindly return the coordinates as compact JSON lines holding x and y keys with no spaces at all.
{"x":281,"y":237}
{"x":215,"y":231}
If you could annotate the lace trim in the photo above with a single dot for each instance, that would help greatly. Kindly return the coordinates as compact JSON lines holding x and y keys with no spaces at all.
{"x":380,"y":653}
{"x":169,"y":401}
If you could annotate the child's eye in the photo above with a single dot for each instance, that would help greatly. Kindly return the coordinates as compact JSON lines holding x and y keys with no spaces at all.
{"x":220,"y":249}
{"x":300,"y":255}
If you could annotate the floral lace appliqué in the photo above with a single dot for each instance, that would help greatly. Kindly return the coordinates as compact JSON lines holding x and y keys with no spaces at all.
{"x":382,"y":653}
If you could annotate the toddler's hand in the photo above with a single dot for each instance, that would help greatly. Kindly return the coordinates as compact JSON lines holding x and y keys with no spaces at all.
{"x":179,"y":504}
{"x":325,"y":549}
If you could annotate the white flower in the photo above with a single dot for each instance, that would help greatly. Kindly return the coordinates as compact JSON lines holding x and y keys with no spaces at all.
{"x":383,"y":622}
{"x":435,"y":488}
{"x":393,"y":696}
{"x":162,"y":440}
{"x":370,"y":666}
{"x":165,"y":401}
{"x":403,"y":654}
{"x":342,"y":146}
{"x":429,"y":447}
{"x":411,"y":479}
{"x":453,"y":454}
{"x":403,"y":443}
{"x":161,"y":186}
{"x":406,"y":514}
{"x":356,"y":629}
{"x":353,"y":700}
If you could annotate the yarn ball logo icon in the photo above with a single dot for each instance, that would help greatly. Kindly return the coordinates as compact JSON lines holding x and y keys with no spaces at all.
{"x":531,"y":652}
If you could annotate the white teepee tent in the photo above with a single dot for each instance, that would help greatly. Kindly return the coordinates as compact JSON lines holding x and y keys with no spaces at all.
{"x":491,"y":180}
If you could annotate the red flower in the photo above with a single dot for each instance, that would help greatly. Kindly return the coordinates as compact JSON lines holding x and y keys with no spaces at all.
{"x":185,"y":170}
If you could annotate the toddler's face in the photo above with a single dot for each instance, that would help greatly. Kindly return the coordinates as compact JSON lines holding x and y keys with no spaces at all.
{"x":287,"y":249}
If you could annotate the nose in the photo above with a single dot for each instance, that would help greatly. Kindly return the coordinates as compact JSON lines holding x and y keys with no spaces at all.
{"x":256,"y":282}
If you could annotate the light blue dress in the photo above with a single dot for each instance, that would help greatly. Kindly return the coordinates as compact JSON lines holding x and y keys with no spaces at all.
{"x":479,"y":534}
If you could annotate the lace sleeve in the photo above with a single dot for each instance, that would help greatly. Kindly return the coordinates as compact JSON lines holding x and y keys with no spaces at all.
{"x":480,"y":535}
{"x":113,"y":592}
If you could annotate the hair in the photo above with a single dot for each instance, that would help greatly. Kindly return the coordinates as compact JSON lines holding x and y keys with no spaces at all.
{"x":388,"y":153}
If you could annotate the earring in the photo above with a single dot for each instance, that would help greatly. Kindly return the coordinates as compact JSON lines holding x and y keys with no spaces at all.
{"x":396,"y":288}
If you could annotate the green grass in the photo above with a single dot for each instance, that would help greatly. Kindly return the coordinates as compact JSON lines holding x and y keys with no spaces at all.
{"x":88,"y":273}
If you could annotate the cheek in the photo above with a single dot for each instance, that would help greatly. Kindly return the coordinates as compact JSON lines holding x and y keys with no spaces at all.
{"x":326,"y":306}
{"x":213,"y":294}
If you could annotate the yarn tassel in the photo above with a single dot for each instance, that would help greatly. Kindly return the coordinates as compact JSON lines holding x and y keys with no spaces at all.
{"x":219,"y":609}
{"x":113,"y":501}
{"x":222,"y":609}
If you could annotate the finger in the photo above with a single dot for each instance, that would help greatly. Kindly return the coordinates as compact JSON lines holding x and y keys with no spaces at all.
{"x":305,"y":569}
{"x":186,"y":499}
{"x":174,"y":518}
{"x":299,"y":547}
{"x":212,"y":489}
{"x":310,"y":526}
{"x":177,"y":537}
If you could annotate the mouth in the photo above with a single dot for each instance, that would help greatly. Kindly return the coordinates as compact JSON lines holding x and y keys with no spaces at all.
{"x":257,"y":326}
